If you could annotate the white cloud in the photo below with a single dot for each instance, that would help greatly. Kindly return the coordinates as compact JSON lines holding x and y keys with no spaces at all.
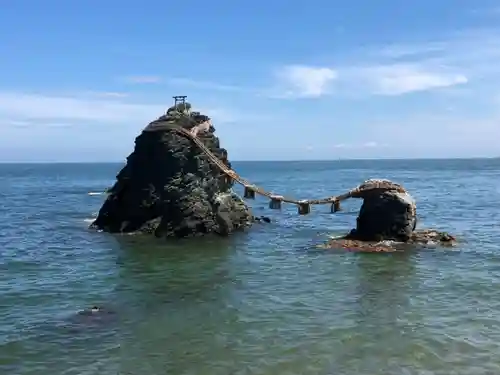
{"x":107,"y":94}
{"x":30,"y":124}
{"x":140,"y":79}
{"x":464,"y":53}
{"x":370,"y":144}
{"x":306,"y":81}
{"x":387,"y":70}
{"x":16,"y":123}
{"x":33,"y":106}
{"x":396,"y":69}
{"x":384,"y":70}
{"x":390,"y":79}
{"x":400,"y":79}
{"x":398,"y":51}
{"x":20,"y":109}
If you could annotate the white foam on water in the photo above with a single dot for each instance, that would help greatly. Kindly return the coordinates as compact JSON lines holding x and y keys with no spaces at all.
{"x":337,"y":237}
{"x":388,"y":243}
{"x":95,"y":193}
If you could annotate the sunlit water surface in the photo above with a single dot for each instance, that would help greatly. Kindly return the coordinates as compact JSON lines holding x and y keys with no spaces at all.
{"x":261,"y":302}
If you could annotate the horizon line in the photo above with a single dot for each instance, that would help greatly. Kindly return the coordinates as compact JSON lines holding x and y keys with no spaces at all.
{"x":274,"y":160}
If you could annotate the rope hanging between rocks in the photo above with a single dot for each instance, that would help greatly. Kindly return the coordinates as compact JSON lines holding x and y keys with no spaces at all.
{"x":304,"y":205}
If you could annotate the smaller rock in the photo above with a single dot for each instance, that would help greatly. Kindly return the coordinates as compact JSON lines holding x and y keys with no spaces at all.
{"x":388,"y":212}
{"x":94,"y":317}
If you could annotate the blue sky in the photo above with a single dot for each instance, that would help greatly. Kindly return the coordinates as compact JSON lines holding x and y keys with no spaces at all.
{"x":280,"y":79}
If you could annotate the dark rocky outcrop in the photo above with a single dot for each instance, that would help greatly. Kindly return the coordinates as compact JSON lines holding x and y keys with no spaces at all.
{"x":386,"y":221}
{"x":169,"y":187}
{"x":388,"y":212}
{"x":264,"y":219}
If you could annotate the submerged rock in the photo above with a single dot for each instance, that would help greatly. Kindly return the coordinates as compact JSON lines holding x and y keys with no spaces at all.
{"x":259,"y":219}
{"x":95,"y":311}
{"x":170,"y":188}
{"x":432,"y":237}
{"x":421,"y":238}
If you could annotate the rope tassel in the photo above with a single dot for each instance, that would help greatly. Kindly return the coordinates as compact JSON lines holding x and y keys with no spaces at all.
{"x":304,"y":207}
{"x":336,"y":206}
{"x":275,"y":202}
{"x":249,"y":192}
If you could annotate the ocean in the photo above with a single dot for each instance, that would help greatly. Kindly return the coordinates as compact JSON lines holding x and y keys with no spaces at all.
{"x":265,"y":301}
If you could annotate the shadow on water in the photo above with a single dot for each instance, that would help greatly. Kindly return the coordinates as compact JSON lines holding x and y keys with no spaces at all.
{"x":176,"y":295}
{"x":384,"y":283}
{"x":153,"y":272}
{"x":158,"y":284}
{"x":383,"y":311}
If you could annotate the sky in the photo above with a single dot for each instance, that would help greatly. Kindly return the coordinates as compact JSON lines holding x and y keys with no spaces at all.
{"x":281,"y":80}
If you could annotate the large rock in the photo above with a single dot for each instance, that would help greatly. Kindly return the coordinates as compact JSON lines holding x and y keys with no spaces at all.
{"x":388,"y":212}
{"x":170,"y":188}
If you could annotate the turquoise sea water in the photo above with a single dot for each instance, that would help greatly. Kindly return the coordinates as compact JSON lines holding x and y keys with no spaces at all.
{"x":261,"y":302}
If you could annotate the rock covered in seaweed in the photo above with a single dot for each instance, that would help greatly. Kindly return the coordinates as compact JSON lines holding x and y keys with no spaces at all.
{"x":169,"y":187}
